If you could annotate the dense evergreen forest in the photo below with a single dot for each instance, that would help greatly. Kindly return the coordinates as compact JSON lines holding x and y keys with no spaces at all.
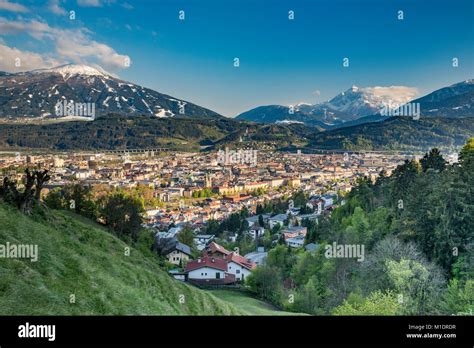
{"x":399,"y":133}
{"x":417,"y":229}
{"x":116,"y":131}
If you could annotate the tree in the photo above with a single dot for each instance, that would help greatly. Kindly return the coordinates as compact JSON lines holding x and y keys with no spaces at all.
{"x":418,"y":284}
{"x":433,"y":160}
{"x":266,"y":282}
{"x":377,"y":303}
{"x":455,"y":212}
{"x":55,"y":199}
{"x":306,"y":266}
{"x":123,"y":214}
{"x":83,"y":200}
{"x":466,"y":156}
{"x":186,"y":236}
{"x":310,"y":299}
{"x":463,"y":268}
{"x":299,"y":199}
{"x":75,"y":196}
{"x":41,"y":178}
{"x":358,"y":230}
{"x":403,"y":177}
{"x":374,"y":274}
{"x":30,"y":195}
{"x":458,"y":298}
{"x":24,"y":203}
{"x":213,"y":227}
{"x":282,"y":258}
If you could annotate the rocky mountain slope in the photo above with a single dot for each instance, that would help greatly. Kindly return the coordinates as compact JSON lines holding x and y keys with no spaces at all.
{"x":48,"y":93}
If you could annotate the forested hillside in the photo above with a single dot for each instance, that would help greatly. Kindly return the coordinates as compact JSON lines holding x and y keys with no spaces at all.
{"x":399,"y":133}
{"x":417,"y":230}
{"x":114,"y":131}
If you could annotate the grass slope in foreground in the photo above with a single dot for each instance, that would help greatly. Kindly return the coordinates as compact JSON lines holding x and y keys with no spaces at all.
{"x":249,"y":304}
{"x":77,"y":256}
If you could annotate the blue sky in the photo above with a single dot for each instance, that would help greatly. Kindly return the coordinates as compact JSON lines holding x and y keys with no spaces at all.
{"x":281,"y":61}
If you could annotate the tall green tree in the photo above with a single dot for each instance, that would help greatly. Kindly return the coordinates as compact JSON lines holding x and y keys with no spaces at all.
{"x":123,"y":214}
{"x":377,"y":303}
{"x":433,"y":160}
{"x":186,"y":236}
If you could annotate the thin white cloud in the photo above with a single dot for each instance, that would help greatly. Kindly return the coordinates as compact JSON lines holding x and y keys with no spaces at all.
{"x":55,"y":7}
{"x":127,"y":6}
{"x":35,"y":28}
{"x":74,"y":45}
{"x":14,"y":60}
{"x":96,"y":3}
{"x":79,"y":47}
{"x":89,"y":3}
{"x":6,"y":5}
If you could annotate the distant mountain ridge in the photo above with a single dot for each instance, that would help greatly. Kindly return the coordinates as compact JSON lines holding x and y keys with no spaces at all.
{"x":361,"y":105}
{"x":398,"y":133}
{"x":456,"y":100}
{"x":346,"y":106}
{"x":35,"y":94}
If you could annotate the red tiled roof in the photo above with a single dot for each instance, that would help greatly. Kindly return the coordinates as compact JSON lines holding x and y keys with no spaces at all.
{"x":213,"y":247}
{"x":242,"y":261}
{"x":212,"y":262}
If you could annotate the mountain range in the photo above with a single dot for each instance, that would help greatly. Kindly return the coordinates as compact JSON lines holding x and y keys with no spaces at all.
{"x":130,"y":116}
{"x":35,"y":94}
{"x":361,"y":105}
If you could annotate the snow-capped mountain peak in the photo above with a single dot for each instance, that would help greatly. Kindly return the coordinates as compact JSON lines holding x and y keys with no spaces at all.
{"x":69,"y":70}
{"x":351,"y":104}
{"x":37,"y":94}
{"x":367,"y":100}
{"x":356,"y":103}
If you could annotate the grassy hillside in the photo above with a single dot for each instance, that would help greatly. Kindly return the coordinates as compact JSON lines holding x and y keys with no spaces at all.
{"x":79,"y":257}
{"x":249,"y":304}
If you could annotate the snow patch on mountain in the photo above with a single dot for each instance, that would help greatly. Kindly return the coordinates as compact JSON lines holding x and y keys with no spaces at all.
{"x":69,"y":70}
{"x":23,"y":92}
{"x":288,"y":122}
{"x":368,"y":100}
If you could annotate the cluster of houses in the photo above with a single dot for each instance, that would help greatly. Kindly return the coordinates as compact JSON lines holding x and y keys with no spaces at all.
{"x":218,"y":266}
{"x":215,"y":266}
{"x":293,"y":234}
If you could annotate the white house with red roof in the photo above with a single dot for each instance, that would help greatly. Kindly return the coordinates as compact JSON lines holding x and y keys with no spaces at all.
{"x":239,"y":266}
{"x":218,"y":266}
{"x":209,"y":270}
